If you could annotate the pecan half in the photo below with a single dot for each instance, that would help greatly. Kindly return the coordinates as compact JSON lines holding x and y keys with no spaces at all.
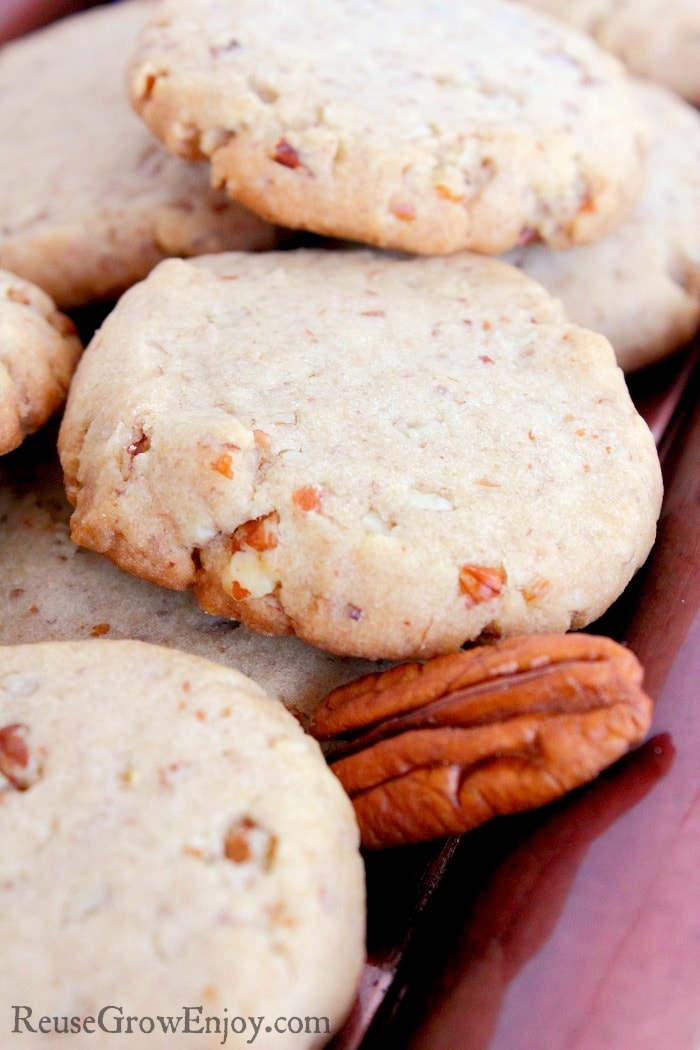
{"x":434,"y":749}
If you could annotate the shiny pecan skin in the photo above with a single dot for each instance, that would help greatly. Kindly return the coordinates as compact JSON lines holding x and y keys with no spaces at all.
{"x":434,"y":749}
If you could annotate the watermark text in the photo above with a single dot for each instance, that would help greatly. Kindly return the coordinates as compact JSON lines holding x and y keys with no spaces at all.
{"x":192,"y":1020}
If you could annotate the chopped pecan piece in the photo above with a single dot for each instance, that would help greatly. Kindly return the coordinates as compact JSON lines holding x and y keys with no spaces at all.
{"x":434,"y":749}
{"x":248,"y":842}
{"x":286,"y":155}
{"x":527,"y":236}
{"x":223,"y":465}
{"x":238,"y":592}
{"x":258,"y":534}
{"x":308,"y":498}
{"x":480,"y":583}
{"x":536,"y":591}
{"x":17,"y":764}
{"x":448,"y":194}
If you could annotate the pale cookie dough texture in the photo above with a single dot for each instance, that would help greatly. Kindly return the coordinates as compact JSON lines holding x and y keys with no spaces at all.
{"x":53,"y":590}
{"x":89,"y":200}
{"x":424,"y":127}
{"x":171,"y":838}
{"x":387,"y":457}
{"x":640,"y":285}
{"x":39,"y":350}
{"x":659,"y":39}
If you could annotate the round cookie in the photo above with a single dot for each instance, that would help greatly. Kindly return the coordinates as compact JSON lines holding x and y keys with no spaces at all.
{"x":172,"y":840}
{"x":53,"y":590}
{"x":640,"y":285}
{"x":385,"y":456}
{"x":659,"y":39}
{"x":424,"y":127}
{"x":89,"y":200}
{"x":39,"y":350}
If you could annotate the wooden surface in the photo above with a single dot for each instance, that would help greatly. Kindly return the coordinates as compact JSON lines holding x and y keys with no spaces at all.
{"x":577,"y":926}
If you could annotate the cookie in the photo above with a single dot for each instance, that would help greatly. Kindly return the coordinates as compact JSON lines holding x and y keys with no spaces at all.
{"x":89,"y":200}
{"x":39,"y":350}
{"x":428,"y":128}
{"x":53,"y":590}
{"x":640,"y":286}
{"x":659,"y":39}
{"x":386,"y":456}
{"x":172,"y":839}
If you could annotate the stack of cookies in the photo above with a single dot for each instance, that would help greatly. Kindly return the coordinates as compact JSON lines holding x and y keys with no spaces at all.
{"x":358,"y":390}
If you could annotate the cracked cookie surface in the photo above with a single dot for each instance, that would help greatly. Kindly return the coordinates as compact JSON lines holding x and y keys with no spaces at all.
{"x":640,"y":285}
{"x":89,"y":200}
{"x":385,"y":456}
{"x":172,"y":838}
{"x":39,"y":350}
{"x":428,"y":128}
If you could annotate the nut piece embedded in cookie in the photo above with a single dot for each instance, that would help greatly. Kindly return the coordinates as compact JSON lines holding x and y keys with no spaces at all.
{"x":172,"y":835}
{"x":89,"y":200}
{"x":18,"y":764}
{"x":424,"y":127}
{"x":385,"y":456}
{"x":427,"y":750}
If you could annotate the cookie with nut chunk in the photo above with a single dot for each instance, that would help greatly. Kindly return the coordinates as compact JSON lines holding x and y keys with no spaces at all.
{"x":385,"y":456}
{"x":424,"y":127}
{"x":89,"y":200}
{"x":172,"y":838}
{"x":640,"y":285}
{"x":53,"y":590}
{"x":39,"y":349}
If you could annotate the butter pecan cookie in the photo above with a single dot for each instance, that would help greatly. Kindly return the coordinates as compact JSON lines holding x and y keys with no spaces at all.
{"x":171,"y":839}
{"x":53,"y":590}
{"x":39,"y":350}
{"x":89,"y":200}
{"x":659,"y":39}
{"x":425,"y":127}
{"x":385,"y":456}
{"x":640,"y":285}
